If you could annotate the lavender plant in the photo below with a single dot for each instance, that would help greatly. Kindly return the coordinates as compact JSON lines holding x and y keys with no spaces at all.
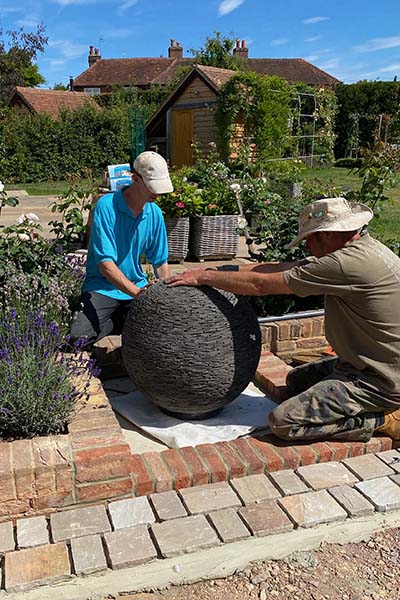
{"x":38,"y":383}
{"x":54,"y":294}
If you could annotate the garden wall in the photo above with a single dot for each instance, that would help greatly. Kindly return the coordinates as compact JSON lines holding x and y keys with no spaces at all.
{"x":92,"y":462}
{"x":285,"y":338}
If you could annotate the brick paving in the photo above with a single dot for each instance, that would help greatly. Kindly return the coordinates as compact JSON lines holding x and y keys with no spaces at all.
{"x":133,"y":531}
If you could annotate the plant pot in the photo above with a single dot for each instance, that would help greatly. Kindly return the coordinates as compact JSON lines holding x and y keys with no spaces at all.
{"x":214,"y":237}
{"x":178,"y":238}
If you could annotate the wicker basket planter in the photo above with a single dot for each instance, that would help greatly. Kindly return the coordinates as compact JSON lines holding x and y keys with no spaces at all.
{"x":178,"y":238}
{"x":214,"y":237}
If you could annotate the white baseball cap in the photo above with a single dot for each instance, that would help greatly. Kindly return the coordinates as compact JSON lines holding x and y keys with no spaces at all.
{"x":153,"y":169}
{"x":331,"y":214}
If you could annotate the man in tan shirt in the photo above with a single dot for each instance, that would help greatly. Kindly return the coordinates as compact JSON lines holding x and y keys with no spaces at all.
{"x":357,"y":393}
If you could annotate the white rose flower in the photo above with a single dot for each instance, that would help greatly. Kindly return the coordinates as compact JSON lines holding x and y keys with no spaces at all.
{"x":24,"y":237}
{"x":1,"y":186}
{"x":235,"y":187}
{"x":242,"y":223}
{"x":32,"y":218}
{"x":21,"y":219}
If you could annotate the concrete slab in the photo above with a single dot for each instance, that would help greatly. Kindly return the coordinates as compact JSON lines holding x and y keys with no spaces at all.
{"x":78,"y":522}
{"x":209,"y":497}
{"x":265,"y":519}
{"x":254,"y":489}
{"x":352,"y":501}
{"x":308,"y":510}
{"x":229,"y":525}
{"x":324,"y":475}
{"x":129,"y":547}
{"x":382,"y":492}
{"x":168,"y":505}
{"x":88,"y":555}
{"x":181,"y":536}
{"x":130,"y":512}
{"x":32,"y":532}
{"x":288,"y":482}
{"x":391,"y":458}
{"x":368,"y":466}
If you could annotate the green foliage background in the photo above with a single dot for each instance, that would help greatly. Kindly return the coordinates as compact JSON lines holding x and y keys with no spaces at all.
{"x":358,"y":106}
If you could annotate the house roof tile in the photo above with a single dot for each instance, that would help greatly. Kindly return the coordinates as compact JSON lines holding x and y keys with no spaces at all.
{"x":50,"y":101}
{"x":146,"y":71}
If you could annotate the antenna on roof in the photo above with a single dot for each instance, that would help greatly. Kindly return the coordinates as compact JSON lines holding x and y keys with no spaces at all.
{"x":101,"y":39}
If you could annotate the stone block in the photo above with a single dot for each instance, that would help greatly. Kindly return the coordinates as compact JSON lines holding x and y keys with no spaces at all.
{"x":78,"y":522}
{"x":326,"y":475}
{"x":288,"y":482}
{"x":130,"y":512}
{"x":32,"y":532}
{"x":129,"y":547}
{"x":168,"y":506}
{"x":254,"y":489}
{"x":391,"y":458}
{"x":307,"y":510}
{"x":181,"y":536}
{"x":382,"y":492}
{"x":205,"y":498}
{"x":354,"y":503}
{"x":7,"y":542}
{"x":88,"y":555}
{"x":368,"y":466}
{"x":265,"y":519}
{"x":229,"y":525}
{"x":28,"y":568}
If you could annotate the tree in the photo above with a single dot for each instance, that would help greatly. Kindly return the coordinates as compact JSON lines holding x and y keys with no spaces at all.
{"x":218,"y":52}
{"x":61,"y":86}
{"x":18,"y":51}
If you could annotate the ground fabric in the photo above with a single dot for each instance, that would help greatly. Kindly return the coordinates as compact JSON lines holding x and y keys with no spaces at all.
{"x":241,"y":417}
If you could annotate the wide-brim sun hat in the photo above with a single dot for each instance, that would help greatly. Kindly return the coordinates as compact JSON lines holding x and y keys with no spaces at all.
{"x":153,"y":169}
{"x":331,"y":214}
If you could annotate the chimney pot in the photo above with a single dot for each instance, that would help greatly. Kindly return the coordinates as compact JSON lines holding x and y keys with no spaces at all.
{"x":237,"y":43}
{"x":91,"y":48}
{"x":243,"y":43}
{"x":175,"y":50}
{"x":172,"y":42}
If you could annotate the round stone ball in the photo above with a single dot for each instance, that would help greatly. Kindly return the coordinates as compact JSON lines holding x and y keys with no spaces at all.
{"x":190,"y":350}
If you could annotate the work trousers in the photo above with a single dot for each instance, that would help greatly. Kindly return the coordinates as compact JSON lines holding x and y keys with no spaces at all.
{"x":325,"y":405}
{"x":98,"y":316}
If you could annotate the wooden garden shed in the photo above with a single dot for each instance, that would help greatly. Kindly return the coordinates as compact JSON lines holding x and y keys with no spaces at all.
{"x":188,"y":115}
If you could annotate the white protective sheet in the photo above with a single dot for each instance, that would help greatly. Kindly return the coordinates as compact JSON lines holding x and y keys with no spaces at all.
{"x":239,"y":418}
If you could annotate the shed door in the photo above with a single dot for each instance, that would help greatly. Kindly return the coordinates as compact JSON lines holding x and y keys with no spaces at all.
{"x":182,"y":137}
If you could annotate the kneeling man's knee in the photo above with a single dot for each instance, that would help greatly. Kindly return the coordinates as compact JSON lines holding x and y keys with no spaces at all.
{"x":278,"y":423}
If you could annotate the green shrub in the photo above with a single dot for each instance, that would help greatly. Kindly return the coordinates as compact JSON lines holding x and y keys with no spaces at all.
{"x":350,"y":163}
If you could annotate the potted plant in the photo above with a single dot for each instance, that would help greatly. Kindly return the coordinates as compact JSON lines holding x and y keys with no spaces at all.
{"x":177,"y":207}
{"x":213,"y":233}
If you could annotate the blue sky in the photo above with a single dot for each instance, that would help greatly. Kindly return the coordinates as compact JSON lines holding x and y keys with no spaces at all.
{"x":350,"y":39}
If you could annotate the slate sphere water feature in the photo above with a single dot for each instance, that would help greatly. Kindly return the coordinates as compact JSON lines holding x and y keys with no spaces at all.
{"x":190,"y":350}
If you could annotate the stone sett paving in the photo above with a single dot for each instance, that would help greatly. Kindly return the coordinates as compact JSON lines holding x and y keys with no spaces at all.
{"x":118,"y":534}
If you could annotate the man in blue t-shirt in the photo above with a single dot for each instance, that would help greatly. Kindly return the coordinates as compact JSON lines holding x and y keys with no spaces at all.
{"x":126,"y":224}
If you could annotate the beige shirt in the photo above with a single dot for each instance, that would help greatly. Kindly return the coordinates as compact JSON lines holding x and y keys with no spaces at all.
{"x":361,"y":285}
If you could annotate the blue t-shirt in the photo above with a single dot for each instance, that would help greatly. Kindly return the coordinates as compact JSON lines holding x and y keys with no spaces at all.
{"x":119,"y":237}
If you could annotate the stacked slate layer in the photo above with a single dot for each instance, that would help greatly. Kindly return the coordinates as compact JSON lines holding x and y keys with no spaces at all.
{"x":191,"y":350}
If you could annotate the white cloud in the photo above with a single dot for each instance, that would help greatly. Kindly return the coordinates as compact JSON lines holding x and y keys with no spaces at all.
{"x":379,"y":44}
{"x":279,"y":42}
{"x":314,"y":38}
{"x":227,"y":6}
{"x":390,"y":68}
{"x":10,"y":9}
{"x":117,"y":34}
{"x":57,"y":63}
{"x":29,"y":22}
{"x":330,"y":64}
{"x":311,"y":58}
{"x":125,"y":5}
{"x":72,"y":2}
{"x":313,"y":20}
{"x":69,"y":49}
